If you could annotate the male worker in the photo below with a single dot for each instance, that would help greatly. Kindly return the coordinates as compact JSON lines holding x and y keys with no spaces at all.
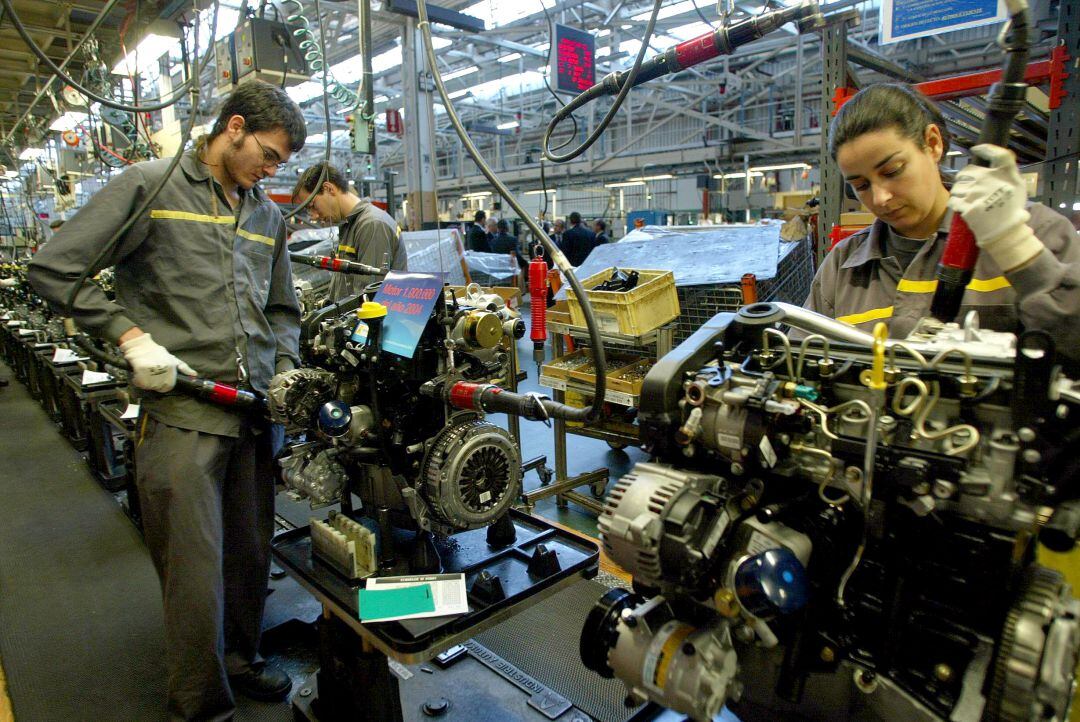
{"x":600,"y":229}
{"x":367,"y":234}
{"x":203,"y":286}
{"x":578,"y":241}
{"x":477,"y":239}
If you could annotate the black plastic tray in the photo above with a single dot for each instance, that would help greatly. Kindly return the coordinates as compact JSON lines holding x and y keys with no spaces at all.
{"x":466,"y":552}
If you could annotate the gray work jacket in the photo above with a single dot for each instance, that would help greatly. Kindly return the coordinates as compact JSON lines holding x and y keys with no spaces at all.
{"x":368,"y":234}
{"x":212,"y":284}
{"x":857,"y":284}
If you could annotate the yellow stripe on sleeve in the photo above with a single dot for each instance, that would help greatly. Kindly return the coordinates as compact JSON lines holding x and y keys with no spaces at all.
{"x":908,"y":286}
{"x":986,"y":285}
{"x":874,"y":314}
{"x":346,"y":249}
{"x":185,"y":216}
{"x":266,"y":240}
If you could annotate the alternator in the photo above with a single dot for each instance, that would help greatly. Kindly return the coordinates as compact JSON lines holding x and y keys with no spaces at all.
{"x":295,"y":396}
{"x":471,"y":474}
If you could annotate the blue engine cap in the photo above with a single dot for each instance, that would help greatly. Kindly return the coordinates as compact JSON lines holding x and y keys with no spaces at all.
{"x":771,"y":583}
{"x":334,"y":418}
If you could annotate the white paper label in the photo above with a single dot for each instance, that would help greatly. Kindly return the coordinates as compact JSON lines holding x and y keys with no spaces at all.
{"x":553,"y":383}
{"x":607,"y":322}
{"x":94,"y":377}
{"x":66,"y":355}
{"x":768,"y":454}
{"x":131,"y":412}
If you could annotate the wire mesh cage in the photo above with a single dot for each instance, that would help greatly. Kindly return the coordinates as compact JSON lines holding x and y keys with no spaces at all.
{"x":794,"y":273}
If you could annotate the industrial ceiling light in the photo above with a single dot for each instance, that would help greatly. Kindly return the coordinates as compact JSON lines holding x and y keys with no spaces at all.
{"x":508,"y":125}
{"x":783,"y":166}
{"x":460,"y":73}
{"x":625,"y":184}
{"x":161,"y":38}
{"x":32,"y":153}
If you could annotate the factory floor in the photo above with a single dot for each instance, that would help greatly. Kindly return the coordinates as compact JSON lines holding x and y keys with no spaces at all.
{"x":80,"y":609}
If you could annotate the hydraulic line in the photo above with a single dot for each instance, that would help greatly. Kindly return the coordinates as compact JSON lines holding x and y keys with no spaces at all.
{"x":110,"y":246}
{"x":722,"y":41}
{"x":59,"y":72}
{"x":588,"y":413}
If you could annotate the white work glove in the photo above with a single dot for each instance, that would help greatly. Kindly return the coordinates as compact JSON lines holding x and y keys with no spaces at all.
{"x":8,"y":282}
{"x":992,"y":201}
{"x":153,"y":367}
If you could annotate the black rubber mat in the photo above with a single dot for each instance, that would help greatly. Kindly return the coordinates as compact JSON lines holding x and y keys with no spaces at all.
{"x":543,"y":642}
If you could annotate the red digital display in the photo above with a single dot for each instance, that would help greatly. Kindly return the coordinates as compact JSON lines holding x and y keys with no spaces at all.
{"x":575,"y":60}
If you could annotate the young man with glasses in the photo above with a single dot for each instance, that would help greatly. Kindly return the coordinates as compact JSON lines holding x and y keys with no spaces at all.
{"x":367,"y":233}
{"x":203,"y":286}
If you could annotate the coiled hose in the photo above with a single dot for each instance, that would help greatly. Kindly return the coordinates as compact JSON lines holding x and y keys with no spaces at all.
{"x":301,"y":28}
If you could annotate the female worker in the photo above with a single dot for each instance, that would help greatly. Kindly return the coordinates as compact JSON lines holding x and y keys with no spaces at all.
{"x":888,"y":141}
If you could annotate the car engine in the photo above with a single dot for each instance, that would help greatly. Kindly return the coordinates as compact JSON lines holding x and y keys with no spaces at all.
{"x":835,"y":525}
{"x":362,"y":428}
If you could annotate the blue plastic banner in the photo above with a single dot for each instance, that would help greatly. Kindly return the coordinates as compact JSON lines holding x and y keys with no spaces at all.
{"x":908,"y":19}
{"x":409,"y":299}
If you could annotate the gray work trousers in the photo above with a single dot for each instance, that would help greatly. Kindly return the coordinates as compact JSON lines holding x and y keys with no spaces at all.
{"x":208,"y":515}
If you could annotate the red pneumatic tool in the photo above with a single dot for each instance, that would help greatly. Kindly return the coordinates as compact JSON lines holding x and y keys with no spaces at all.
{"x":538,"y":286}
{"x":1007,"y":98}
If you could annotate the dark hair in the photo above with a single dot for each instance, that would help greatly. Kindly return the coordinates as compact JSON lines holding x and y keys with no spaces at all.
{"x":479,"y":217}
{"x":887,"y":105}
{"x":263,"y":107}
{"x":601,"y":223}
{"x":575,"y":218}
{"x":309,"y":178}
{"x":503,"y":226}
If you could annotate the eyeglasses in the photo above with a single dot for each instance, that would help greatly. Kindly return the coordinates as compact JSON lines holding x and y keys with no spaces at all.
{"x":270,"y":157}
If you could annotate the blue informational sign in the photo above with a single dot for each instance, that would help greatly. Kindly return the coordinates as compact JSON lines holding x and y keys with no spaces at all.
{"x":908,"y":19}
{"x":409,"y":299}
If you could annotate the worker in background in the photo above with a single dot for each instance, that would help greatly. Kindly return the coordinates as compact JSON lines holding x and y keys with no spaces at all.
{"x":888,"y":141}
{"x":505,"y":242}
{"x":578,"y":241}
{"x":600,"y":229}
{"x":367,"y":233}
{"x":203,"y":286}
{"x":557,"y":232}
{"x":490,"y":231}
{"x":477,"y":238}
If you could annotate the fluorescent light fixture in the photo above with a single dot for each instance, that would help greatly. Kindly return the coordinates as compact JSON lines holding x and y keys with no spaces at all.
{"x":32,"y":154}
{"x":477,"y":194}
{"x":784,"y":166}
{"x":753,"y":174}
{"x":1076,"y":206}
{"x":663,"y":176}
{"x":508,"y":125}
{"x":460,"y":73}
{"x":625,"y":184}
{"x":955,"y":152}
{"x":67,"y":121}
{"x":539,"y":193}
{"x":604,"y":33}
{"x":305,"y":91}
{"x":381,"y":98}
{"x":11,"y":174}
{"x":150,"y":48}
{"x":459,"y":93}
{"x":509,"y":58}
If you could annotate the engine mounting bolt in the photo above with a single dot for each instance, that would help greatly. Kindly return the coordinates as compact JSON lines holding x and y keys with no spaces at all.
{"x":1032,"y":456}
{"x":688,"y":649}
{"x":943,"y":672}
{"x":828,"y":654}
{"x":737,"y":468}
{"x":1026,"y":434}
{"x":628,"y":618}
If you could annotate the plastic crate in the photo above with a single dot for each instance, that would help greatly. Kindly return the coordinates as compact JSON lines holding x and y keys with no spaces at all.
{"x":650,"y":305}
